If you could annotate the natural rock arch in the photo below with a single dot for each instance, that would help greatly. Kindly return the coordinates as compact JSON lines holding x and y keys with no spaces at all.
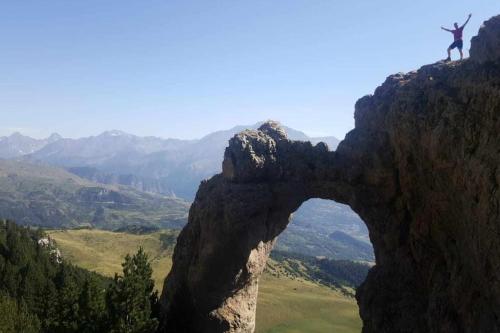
{"x":421,"y":168}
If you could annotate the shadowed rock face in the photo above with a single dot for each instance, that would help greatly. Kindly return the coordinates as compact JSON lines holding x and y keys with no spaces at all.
{"x":421,"y":168}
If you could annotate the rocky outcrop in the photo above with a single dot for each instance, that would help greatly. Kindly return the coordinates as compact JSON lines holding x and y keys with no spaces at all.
{"x":485,"y":46}
{"x":421,"y":168}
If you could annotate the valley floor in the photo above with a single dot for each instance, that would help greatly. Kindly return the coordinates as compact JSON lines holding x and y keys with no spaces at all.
{"x":284,"y":305}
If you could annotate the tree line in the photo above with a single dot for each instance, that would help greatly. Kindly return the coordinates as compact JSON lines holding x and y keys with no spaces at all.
{"x":330,"y":272}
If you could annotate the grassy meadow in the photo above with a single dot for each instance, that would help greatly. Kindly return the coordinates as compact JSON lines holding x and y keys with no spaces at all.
{"x":285,"y":304}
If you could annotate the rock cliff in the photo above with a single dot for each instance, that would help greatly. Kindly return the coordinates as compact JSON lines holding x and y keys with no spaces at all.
{"x":421,"y":168}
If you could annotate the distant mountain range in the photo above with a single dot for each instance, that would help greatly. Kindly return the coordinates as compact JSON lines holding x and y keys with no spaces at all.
{"x":148,"y":169}
{"x":17,"y":144}
{"x":166,"y":166}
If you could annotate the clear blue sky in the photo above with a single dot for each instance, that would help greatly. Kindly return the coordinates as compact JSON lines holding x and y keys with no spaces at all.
{"x":186,"y":68}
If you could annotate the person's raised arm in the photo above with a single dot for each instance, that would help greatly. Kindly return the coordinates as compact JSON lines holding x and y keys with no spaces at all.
{"x":466,"y":21}
{"x":446,"y":29}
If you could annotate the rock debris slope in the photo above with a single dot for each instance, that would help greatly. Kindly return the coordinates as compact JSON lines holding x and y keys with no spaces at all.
{"x":421,"y":168}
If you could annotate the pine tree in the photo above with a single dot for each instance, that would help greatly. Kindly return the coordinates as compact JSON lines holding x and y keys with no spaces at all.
{"x":68,"y":304}
{"x":16,"y":317}
{"x":131,"y":296}
{"x":92,"y":308}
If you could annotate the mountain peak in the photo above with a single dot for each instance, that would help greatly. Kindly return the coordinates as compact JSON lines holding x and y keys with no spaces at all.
{"x":16,"y":135}
{"x":54,"y":137}
{"x":115,"y":133}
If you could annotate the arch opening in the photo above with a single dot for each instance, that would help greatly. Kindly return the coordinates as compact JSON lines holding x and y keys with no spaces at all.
{"x":325,"y":228}
{"x":318,"y":261}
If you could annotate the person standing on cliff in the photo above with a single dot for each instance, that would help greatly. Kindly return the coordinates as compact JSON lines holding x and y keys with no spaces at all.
{"x":457,"y":39}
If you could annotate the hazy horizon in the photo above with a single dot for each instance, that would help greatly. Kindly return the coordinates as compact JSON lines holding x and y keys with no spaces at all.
{"x":185,"y":69}
{"x":20,"y":131}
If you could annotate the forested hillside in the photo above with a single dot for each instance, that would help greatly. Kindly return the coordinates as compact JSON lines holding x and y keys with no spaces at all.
{"x":40,"y":292}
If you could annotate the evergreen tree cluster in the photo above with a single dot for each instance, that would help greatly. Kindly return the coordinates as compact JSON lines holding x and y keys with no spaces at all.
{"x":40,"y":293}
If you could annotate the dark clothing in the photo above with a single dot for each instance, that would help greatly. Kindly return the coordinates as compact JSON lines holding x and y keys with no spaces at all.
{"x":457,"y":33}
{"x":458,"y":44}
